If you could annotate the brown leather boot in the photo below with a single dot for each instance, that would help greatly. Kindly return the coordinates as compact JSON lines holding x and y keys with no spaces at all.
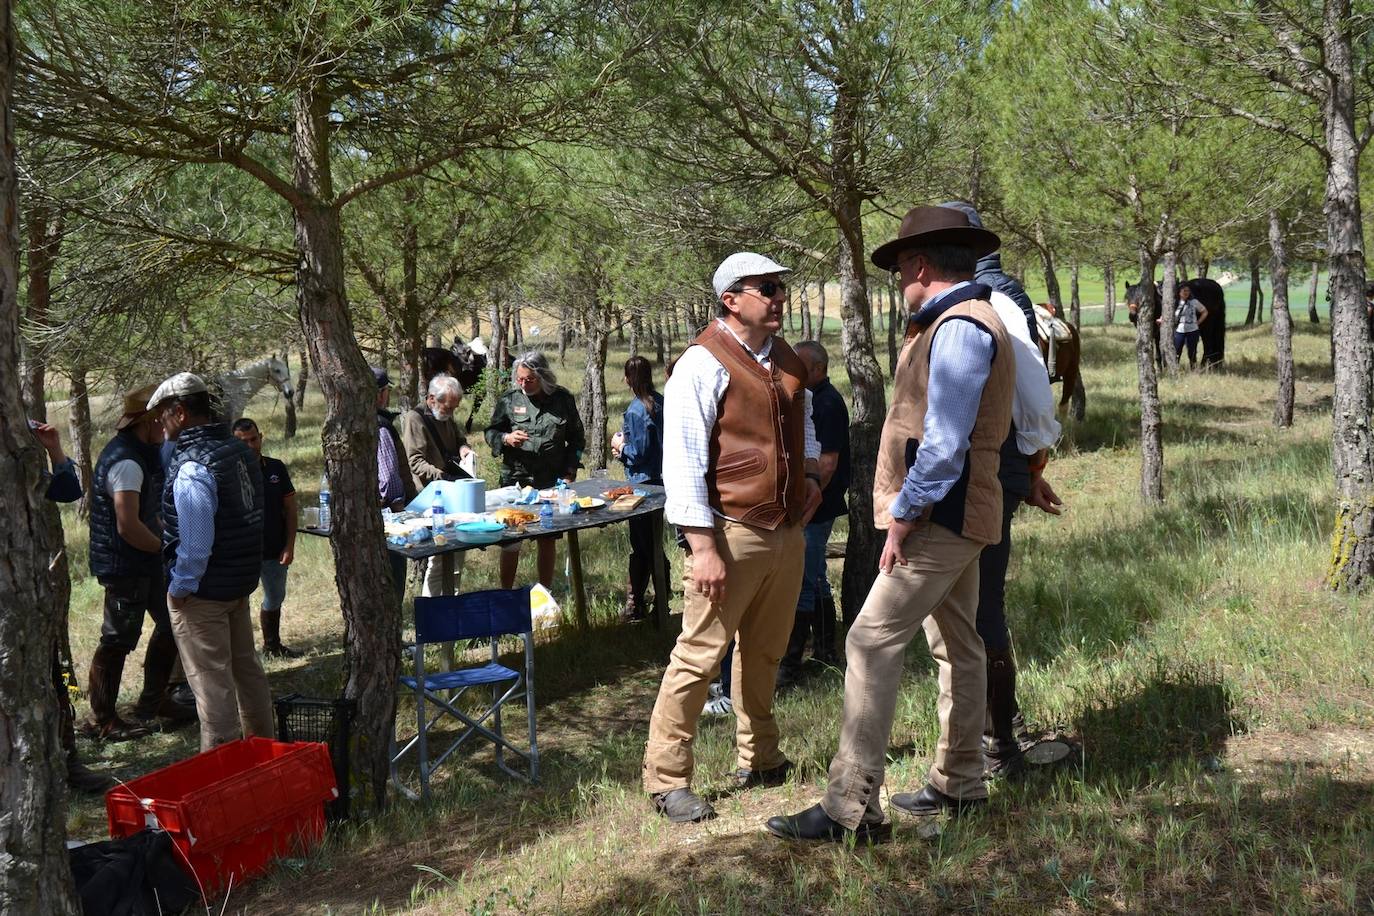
{"x":155,"y":701}
{"x":83,"y":779}
{"x":107,"y":667}
{"x":1001,"y":752}
{"x":271,"y":636}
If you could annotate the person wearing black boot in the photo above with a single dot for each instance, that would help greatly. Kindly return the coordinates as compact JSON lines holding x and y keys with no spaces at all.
{"x":279,"y":521}
{"x":1034,"y":430}
{"x":816,"y":605}
{"x":126,"y":558}
{"x":639,"y":445}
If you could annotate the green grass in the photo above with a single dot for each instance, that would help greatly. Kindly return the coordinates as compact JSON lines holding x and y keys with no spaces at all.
{"x":1221,"y":698}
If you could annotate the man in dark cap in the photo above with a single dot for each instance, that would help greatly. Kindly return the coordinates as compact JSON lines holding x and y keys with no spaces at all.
{"x":935,"y":490}
{"x":395,"y":487}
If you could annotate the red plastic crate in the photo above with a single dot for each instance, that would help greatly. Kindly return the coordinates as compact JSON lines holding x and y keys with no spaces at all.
{"x":233,"y":809}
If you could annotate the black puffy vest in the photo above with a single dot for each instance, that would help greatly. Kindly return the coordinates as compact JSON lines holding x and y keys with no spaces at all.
{"x":111,"y":556}
{"x":236,"y":558}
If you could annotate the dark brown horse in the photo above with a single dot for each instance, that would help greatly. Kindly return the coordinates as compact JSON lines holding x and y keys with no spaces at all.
{"x":1061,"y":359}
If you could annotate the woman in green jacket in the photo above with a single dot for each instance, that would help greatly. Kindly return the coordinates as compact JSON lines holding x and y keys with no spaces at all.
{"x":537,"y":433}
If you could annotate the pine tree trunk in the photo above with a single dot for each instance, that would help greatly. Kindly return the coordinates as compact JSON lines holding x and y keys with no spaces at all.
{"x":371,"y":612}
{"x":1352,"y":555}
{"x":475,"y":322}
{"x":289,"y":405}
{"x":1283,"y":322}
{"x":1075,"y":303}
{"x":304,"y":359}
{"x":79,"y":423}
{"x":819,"y":329}
{"x":46,"y":230}
{"x":1168,"y":303}
{"x":805,"y":314}
{"x":660,"y":350}
{"x":1109,"y":306}
{"x":517,"y":328}
{"x":564,"y":331}
{"x":868,"y":400}
{"x":496,"y":365}
{"x":1312,"y":315}
{"x":591,"y":401}
{"x":35,"y":876}
{"x":1151,"y":441}
{"x":892,"y":321}
{"x":1255,"y":292}
{"x":1051,"y":280}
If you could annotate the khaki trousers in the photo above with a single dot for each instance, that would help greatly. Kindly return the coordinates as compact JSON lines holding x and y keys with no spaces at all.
{"x":233,"y":698}
{"x":762,"y":579}
{"x":937,"y":588}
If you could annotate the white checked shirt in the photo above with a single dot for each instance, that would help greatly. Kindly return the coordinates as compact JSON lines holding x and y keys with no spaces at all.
{"x":692,"y":402}
{"x":1032,"y":401}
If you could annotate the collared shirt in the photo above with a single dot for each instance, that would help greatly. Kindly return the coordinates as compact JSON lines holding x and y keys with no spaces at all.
{"x":390,"y":486}
{"x":1032,"y":401}
{"x":693,"y":396}
{"x":960,"y":363}
{"x":197,"y":501}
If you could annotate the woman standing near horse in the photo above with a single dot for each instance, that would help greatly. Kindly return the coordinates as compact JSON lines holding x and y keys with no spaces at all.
{"x":537,"y":433}
{"x":639,"y":446}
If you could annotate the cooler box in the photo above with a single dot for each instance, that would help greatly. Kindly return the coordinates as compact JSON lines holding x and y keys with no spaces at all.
{"x":231,"y":810}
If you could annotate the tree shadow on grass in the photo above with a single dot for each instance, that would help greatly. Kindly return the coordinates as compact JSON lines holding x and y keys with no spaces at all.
{"x":1113,"y":421}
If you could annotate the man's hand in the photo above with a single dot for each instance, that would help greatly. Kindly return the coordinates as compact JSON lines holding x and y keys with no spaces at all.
{"x":464,"y":451}
{"x":1043,"y":497}
{"x":516,"y":438}
{"x":287,"y":555}
{"x":813,"y":500}
{"x":892,"y":547}
{"x":708,"y":568}
{"x":48,"y":437}
{"x":617,"y":443}
{"x":174,"y":602}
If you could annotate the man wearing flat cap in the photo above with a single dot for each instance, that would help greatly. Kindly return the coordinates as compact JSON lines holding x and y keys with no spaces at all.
{"x":741,"y":474}
{"x":126,"y":559}
{"x":212,"y":512}
{"x":936,"y":492}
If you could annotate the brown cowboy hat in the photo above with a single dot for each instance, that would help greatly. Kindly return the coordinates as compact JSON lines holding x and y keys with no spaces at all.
{"x":935,"y":226}
{"x":136,"y":406}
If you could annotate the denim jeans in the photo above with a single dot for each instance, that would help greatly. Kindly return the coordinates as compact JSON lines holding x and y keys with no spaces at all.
{"x":815,"y":585}
{"x":273,"y":581}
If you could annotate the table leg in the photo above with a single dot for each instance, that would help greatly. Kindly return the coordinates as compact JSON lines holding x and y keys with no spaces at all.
{"x":446,"y":587}
{"x":579,"y":591}
{"x":660,"y":573}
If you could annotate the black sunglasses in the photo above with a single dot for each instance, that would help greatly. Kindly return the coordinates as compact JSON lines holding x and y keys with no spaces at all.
{"x":768,"y":288}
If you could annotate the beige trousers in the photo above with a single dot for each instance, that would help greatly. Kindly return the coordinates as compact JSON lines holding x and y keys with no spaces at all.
{"x":233,"y":698}
{"x":762,"y":580}
{"x":937,"y":589}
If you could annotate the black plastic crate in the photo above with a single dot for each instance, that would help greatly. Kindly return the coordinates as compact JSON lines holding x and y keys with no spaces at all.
{"x":302,"y":718}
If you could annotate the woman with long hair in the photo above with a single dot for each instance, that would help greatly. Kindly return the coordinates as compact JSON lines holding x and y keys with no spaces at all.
{"x":639,"y":445}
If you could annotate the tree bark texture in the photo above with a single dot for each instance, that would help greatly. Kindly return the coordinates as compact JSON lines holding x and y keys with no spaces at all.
{"x":868,"y":409}
{"x":371,"y":612}
{"x":1255,"y":292}
{"x":660,"y":350}
{"x":34,"y":875}
{"x":1283,"y":322}
{"x":592,"y":399}
{"x":818,"y":332}
{"x":1109,"y":283}
{"x":1151,"y":441}
{"x":1312,"y":315}
{"x":304,"y":359}
{"x":1075,"y":303}
{"x":46,"y":229}
{"x":805,"y":314}
{"x":1051,"y":280}
{"x":1352,"y":542}
{"x":1168,"y":303}
{"x":79,"y":422}
{"x":892,"y":313}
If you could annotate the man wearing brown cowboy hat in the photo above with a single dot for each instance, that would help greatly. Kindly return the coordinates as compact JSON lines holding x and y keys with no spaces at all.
{"x":126,"y":558}
{"x":936,"y":492}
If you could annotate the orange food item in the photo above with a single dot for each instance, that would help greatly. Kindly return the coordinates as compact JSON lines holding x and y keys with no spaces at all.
{"x":618,"y":492}
{"x":513,"y":517}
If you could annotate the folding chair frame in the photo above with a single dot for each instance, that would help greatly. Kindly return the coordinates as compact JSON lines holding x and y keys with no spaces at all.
{"x":460,"y":622}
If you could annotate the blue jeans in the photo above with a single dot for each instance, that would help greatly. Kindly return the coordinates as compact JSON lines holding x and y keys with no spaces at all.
{"x":815,"y":585}
{"x":273,"y":581}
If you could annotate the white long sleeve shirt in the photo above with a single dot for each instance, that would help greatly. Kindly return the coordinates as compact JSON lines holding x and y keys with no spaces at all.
{"x":1032,"y":401}
{"x":691,"y":401}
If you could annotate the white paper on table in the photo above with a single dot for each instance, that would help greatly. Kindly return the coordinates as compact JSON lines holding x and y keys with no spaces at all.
{"x":469,"y":463}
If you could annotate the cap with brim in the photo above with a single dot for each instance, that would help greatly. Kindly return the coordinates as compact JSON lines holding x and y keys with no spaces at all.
{"x":935,"y":226}
{"x":178,"y":386}
{"x":383,"y":380}
{"x":743,"y":264}
{"x":136,"y":408}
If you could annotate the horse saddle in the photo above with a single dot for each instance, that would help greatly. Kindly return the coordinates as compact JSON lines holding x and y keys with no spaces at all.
{"x":1051,"y":326}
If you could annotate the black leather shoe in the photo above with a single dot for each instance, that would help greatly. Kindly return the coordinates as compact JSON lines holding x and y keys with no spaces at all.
{"x":83,"y":779}
{"x":683,"y":806}
{"x":815,"y":824}
{"x":931,"y":800}
{"x":774,"y":776}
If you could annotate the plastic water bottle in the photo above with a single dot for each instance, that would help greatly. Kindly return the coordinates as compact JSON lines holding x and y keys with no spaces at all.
{"x":546,"y":515}
{"x":324,"y":502}
{"x":436,"y":512}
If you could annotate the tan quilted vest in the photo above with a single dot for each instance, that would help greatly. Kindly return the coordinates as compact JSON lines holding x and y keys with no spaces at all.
{"x":973,"y":507}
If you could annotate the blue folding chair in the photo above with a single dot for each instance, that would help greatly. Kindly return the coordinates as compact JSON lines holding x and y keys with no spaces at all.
{"x":476,"y":615}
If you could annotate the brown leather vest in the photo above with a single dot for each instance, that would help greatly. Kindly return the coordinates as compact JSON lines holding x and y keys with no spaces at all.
{"x":973,"y":507}
{"x":758,"y":446}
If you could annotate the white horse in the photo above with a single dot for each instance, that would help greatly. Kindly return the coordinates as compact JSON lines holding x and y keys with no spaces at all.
{"x":238,"y":386}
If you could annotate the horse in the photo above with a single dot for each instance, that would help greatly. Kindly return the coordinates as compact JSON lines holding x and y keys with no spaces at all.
{"x":1060,"y":347}
{"x":463,"y":361}
{"x":237,"y":387}
{"x":1212,"y":296}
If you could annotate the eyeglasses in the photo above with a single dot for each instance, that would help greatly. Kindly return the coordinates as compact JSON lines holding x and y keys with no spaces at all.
{"x":768,"y":288}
